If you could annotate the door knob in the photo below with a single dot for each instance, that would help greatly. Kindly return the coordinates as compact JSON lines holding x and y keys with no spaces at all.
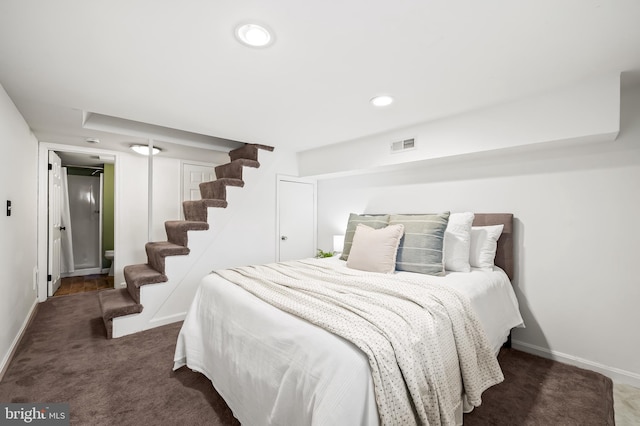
{"x":62,"y":228}
{"x":283,"y":238}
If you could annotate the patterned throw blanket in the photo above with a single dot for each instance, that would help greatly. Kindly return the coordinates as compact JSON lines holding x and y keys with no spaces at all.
{"x":398,"y":322}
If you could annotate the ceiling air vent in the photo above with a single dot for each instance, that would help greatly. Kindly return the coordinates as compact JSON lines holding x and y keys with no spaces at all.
{"x":404,"y":145}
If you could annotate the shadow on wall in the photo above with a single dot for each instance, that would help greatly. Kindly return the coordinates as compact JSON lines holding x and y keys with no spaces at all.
{"x":519,"y":284}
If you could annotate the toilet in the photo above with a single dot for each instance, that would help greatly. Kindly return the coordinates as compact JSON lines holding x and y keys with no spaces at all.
{"x":108,"y":254}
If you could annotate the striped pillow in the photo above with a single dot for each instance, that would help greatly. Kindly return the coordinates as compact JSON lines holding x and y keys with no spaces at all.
{"x":372,"y":221}
{"x":421,"y":248}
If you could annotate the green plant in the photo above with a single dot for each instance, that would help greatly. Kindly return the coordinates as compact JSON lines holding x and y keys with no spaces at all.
{"x":325,"y":253}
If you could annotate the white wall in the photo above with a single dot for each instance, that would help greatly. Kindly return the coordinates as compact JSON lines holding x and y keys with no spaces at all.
{"x":576,"y":210}
{"x":131,"y":212}
{"x":167,"y":203}
{"x":18,"y":183}
{"x":132,"y":206}
{"x":584,"y":112}
{"x":249,"y":237}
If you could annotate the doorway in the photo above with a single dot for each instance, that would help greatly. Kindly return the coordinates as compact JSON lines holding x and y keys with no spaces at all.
{"x":89,"y":223}
{"x":89,"y":226}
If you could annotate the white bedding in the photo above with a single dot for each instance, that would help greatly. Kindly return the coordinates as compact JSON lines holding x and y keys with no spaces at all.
{"x":274,"y":368}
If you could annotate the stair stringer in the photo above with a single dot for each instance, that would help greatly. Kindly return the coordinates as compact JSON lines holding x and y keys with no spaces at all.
{"x":168,"y":302}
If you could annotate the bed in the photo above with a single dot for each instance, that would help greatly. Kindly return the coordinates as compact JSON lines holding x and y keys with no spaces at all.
{"x":273,"y":367}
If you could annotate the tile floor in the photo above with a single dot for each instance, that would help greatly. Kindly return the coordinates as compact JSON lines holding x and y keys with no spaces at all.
{"x":626,"y":404}
{"x":73,"y":285}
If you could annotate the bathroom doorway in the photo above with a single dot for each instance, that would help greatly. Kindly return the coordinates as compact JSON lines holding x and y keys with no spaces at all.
{"x":87,"y":223}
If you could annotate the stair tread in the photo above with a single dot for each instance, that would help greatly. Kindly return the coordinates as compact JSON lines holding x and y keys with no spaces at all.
{"x":142,"y":274}
{"x":117,"y":303}
{"x":239,"y":162}
{"x":177,"y":230}
{"x":262,"y":147}
{"x":225,"y":181}
{"x":234,"y":169}
{"x":246,"y":162}
{"x":157,"y":252}
{"x":196,"y":211}
{"x":217,"y":189}
{"x":214,"y":202}
{"x":191,"y":225}
{"x":252,"y":146}
{"x":232,"y":181}
{"x":166,"y":248}
{"x":249,"y":151}
{"x":209,"y":202}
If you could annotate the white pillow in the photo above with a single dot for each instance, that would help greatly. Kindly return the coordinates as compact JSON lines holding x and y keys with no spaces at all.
{"x":375,"y":250}
{"x":484,"y":242}
{"x":457,"y":242}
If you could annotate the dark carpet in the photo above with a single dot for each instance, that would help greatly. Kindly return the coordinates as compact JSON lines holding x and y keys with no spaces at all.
{"x":65,"y":357}
{"x":538,"y":391}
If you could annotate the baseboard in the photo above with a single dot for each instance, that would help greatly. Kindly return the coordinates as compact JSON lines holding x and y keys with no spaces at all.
{"x":615,"y":374}
{"x":4,"y":365}
{"x":169,"y":319}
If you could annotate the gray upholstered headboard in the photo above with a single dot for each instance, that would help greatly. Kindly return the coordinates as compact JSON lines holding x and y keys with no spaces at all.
{"x":504,"y":254}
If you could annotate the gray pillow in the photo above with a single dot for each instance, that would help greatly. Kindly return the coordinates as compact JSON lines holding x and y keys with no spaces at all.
{"x":372,"y":221}
{"x":421,"y":247}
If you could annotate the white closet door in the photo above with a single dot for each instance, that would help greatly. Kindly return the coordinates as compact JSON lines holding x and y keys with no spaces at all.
{"x":296,"y":219}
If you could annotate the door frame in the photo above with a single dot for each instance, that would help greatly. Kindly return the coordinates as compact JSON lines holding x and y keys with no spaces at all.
{"x":285,"y":178}
{"x":43,"y":208}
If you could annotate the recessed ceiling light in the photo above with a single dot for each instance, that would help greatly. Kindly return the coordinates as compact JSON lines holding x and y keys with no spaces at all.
{"x":92,"y":140}
{"x":381,"y":101}
{"x":254,"y":35}
{"x":144,"y":149}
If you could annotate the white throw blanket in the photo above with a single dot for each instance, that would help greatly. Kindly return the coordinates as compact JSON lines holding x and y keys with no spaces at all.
{"x":397,"y":322}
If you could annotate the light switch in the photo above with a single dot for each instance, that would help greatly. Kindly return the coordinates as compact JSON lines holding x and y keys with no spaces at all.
{"x":8,"y":208}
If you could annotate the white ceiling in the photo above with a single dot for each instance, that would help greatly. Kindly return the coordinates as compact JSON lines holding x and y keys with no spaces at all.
{"x":176,"y":64}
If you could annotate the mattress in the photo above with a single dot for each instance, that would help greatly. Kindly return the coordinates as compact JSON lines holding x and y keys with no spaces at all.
{"x":272,"y":367}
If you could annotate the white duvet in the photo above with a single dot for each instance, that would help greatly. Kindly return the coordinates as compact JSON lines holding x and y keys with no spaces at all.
{"x":274,"y":368}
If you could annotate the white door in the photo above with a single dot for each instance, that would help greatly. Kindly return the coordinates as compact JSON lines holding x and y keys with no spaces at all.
{"x":55,"y":215}
{"x":192,"y":176}
{"x":296,"y":219}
